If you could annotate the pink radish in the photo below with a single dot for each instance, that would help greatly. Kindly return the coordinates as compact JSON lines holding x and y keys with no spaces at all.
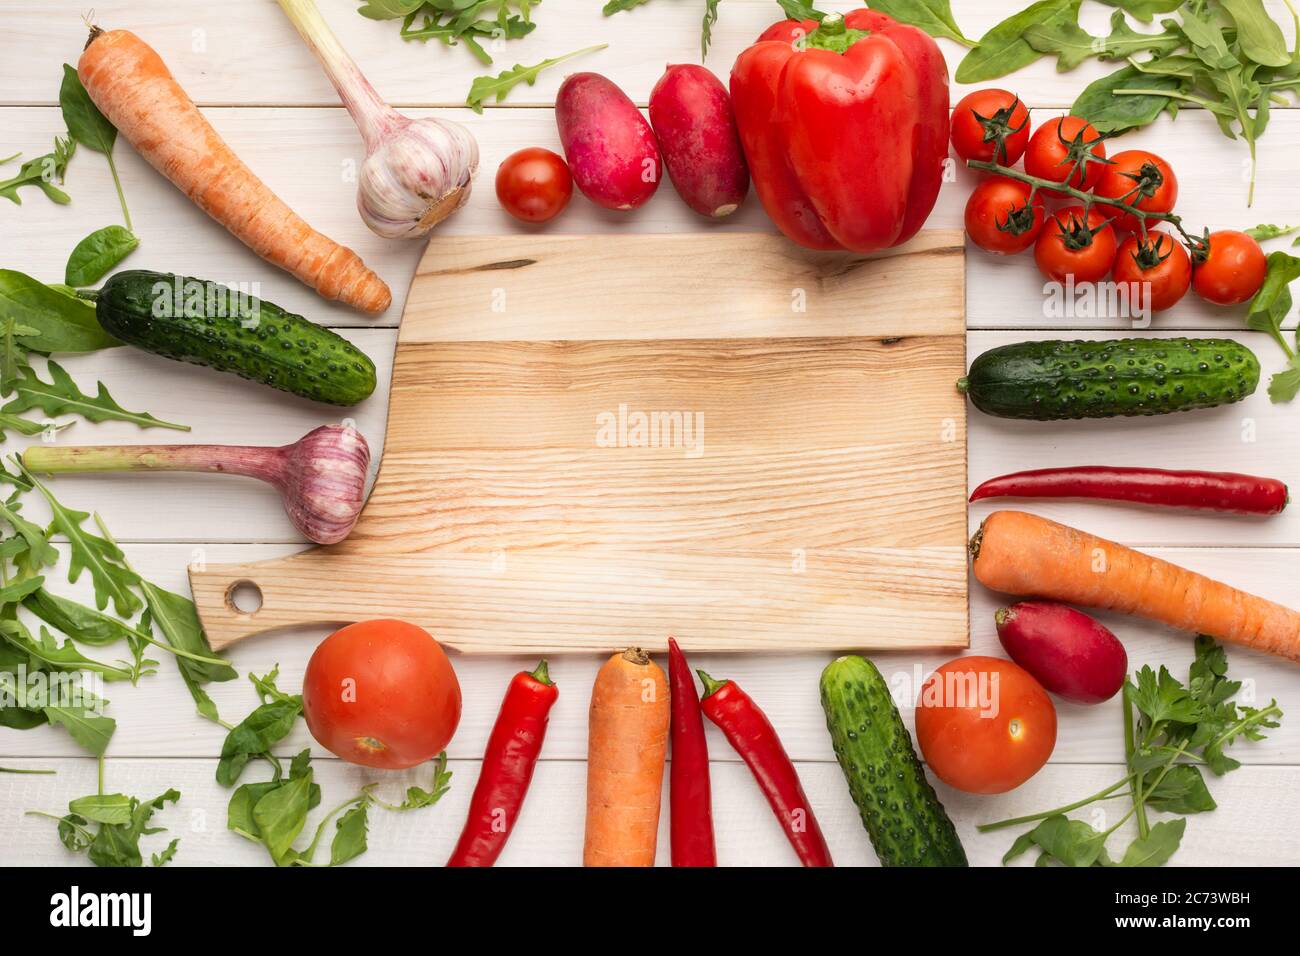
{"x":1071,"y":654}
{"x":691,"y":115}
{"x":609,"y":145}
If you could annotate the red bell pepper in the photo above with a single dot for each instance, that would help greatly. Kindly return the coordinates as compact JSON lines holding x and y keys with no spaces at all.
{"x":845,"y":128}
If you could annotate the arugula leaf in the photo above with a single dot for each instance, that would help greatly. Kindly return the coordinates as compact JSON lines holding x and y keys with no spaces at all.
{"x":61,"y":396}
{"x":1156,"y":847}
{"x":1144,"y":10}
{"x":1284,"y":386}
{"x":99,"y":252}
{"x":1266,"y":231}
{"x":111,"y":808}
{"x":167,"y":855}
{"x":281,"y":814}
{"x":39,"y":551}
{"x":91,"y":128}
{"x":261,"y":730}
{"x":41,"y":172}
{"x":389,"y":9}
{"x":1003,"y":49}
{"x":350,"y":835}
{"x":1066,"y":841}
{"x":933,"y":16}
{"x":1072,"y":44}
{"x":179,"y":622}
{"x":620,"y":6}
{"x":1108,"y":112}
{"x":501,"y":84}
{"x":706,"y":37}
{"x":61,"y":323}
{"x":1260,"y":38}
{"x":92,"y":731}
{"x":800,"y":10}
{"x":113,"y":580}
{"x":119,"y":844}
{"x":54,"y":656}
{"x":85,"y":624}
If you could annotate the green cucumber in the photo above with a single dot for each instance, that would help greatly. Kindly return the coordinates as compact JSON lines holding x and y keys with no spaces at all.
{"x":1054,"y":379}
{"x":206,"y":323}
{"x":904,"y":818}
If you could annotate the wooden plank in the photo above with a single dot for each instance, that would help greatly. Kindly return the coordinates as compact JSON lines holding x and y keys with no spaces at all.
{"x":550,"y":826}
{"x":155,"y":719}
{"x":210,"y":53}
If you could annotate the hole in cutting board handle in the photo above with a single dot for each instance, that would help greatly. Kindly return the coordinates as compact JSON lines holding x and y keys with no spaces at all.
{"x":244,"y":597}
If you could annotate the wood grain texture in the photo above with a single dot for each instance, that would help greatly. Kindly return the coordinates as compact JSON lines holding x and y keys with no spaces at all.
{"x":623,"y":462}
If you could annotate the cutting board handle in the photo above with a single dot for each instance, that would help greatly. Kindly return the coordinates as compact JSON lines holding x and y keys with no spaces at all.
{"x":275,"y":583}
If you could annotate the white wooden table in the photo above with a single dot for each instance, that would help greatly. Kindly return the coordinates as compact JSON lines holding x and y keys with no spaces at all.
{"x":244,"y":65}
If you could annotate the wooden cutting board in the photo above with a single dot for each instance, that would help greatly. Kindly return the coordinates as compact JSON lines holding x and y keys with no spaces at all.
{"x":599,"y":441}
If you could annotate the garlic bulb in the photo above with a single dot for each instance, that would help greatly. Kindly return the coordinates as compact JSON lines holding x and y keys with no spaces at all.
{"x":417,"y":171}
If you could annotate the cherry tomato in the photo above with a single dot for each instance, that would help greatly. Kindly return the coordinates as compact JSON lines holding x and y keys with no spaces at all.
{"x":1058,"y":151}
{"x":1000,"y":217}
{"x":990,"y":125}
{"x":1157,"y":269}
{"x":1232,"y":269}
{"x":984,"y":724}
{"x":534,"y":184}
{"x":1140,"y":179}
{"x":381,"y":694}
{"x":1069,"y":246}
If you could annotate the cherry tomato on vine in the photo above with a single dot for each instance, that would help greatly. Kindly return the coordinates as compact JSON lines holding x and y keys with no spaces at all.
{"x":1066,"y":149}
{"x":534,"y":184}
{"x":990,"y":125}
{"x":1000,"y":217}
{"x":1072,"y":245}
{"x":984,"y":724}
{"x":1140,"y":179}
{"x":1156,"y":269}
{"x":1230,"y":270}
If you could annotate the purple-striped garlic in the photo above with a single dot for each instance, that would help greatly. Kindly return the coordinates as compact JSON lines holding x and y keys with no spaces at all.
{"x":321,"y":477}
{"x":417,"y":171}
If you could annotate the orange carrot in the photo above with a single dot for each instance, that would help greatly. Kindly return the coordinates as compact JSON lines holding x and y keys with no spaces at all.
{"x":626,"y":746}
{"x":1023,"y":554}
{"x":132,"y":86}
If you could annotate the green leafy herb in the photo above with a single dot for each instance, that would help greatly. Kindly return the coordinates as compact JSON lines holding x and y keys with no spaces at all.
{"x":54,"y":656}
{"x":1144,"y":10}
{"x":108,"y":828}
{"x":1266,"y":313}
{"x":1266,"y":231}
{"x":89,"y":127}
{"x":60,"y":323}
{"x":261,"y":730}
{"x":933,"y":16}
{"x":112,"y":579}
{"x":41,"y":172}
{"x":706,"y":34}
{"x":1004,"y":49}
{"x":456,"y":22}
{"x":1260,"y":38}
{"x":93,"y":731}
{"x":500,"y":85}
{"x":1109,"y":113}
{"x":99,"y":252}
{"x":800,"y":10}
{"x":1171,"y":732}
{"x":61,"y":396}
{"x":1072,"y":44}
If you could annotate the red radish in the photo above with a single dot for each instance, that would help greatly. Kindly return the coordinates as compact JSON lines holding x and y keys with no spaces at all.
{"x":609,"y":145}
{"x":1072,"y":655}
{"x":691,"y":115}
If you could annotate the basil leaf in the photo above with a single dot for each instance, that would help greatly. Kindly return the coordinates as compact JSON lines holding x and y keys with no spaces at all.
{"x":1260,"y":38}
{"x":933,"y":16}
{"x":97,"y":253}
{"x":1109,"y":113}
{"x":86,"y":123}
{"x":1004,"y":49}
{"x":62,"y":324}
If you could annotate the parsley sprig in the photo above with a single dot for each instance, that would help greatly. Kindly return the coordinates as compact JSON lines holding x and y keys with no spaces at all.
{"x":1173,"y":732}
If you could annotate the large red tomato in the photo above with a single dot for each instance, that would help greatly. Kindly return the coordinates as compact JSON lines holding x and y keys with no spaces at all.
{"x":984,"y":724}
{"x":381,"y":694}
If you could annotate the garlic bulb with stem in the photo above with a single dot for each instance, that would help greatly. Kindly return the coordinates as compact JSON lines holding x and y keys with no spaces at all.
{"x":417,"y":171}
{"x":321,"y":477}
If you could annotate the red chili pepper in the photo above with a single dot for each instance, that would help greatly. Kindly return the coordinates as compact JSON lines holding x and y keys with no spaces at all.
{"x":1209,"y":490}
{"x":507,"y":770}
{"x":755,"y":739}
{"x":692,"y":806}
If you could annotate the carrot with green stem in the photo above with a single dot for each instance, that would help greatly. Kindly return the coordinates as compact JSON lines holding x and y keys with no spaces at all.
{"x":131,"y":85}
{"x":627,"y":744}
{"x":1023,"y":554}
